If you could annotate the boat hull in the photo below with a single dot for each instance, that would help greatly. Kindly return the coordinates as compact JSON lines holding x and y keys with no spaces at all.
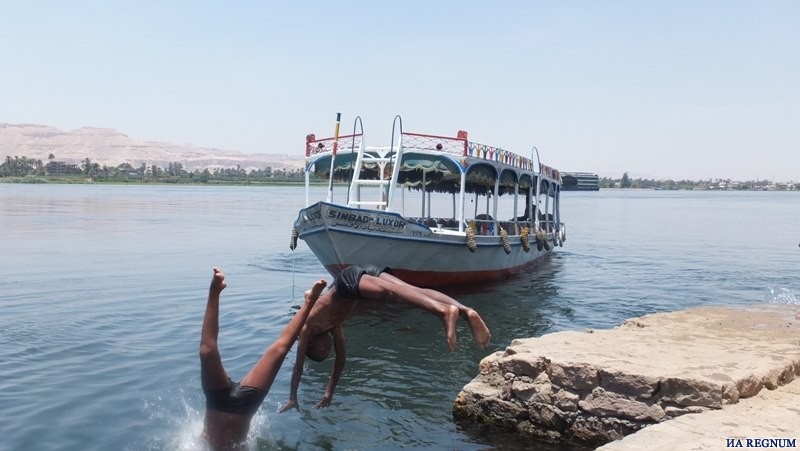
{"x":341,"y":236}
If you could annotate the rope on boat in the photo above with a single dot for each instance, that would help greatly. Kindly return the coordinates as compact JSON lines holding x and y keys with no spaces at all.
{"x":471,"y":244}
{"x":504,"y":239}
{"x":293,"y":284}
{"x":293,"y":242}
{"x":523,"y":237}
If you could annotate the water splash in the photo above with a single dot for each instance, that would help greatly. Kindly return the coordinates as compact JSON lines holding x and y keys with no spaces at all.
{"x":782,"y":296}
{"x":260,"y":432}
{"x":184,"y":430}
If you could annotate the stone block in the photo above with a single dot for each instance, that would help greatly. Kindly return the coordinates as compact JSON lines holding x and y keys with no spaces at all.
{"x":503,"y":411}
{"x":520,"y":365}
{"x":532,"y":391}
{"x":692,"y":392}
{"x":639,"y":386}
{"x":573,"y":377}
{"x":673,"y":411}
{"x":566,"y":400}
{"x":749,"y":386}
{"x":547,"y":416}
{"x":589,"y":430}
{"x":609,"y":404}
{"x":730,"y":393}
{"x":490,"y":363}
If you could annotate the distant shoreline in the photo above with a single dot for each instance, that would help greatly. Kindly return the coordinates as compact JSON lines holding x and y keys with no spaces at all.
{"x":38,"y":180}
{"x":47,"y":180}
{"x":29,"y":170}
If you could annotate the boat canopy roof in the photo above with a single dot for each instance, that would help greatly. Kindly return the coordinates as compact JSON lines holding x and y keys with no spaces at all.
{"x":438,"y":162}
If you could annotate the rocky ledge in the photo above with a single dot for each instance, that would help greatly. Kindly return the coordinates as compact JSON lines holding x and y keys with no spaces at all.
{"x":593,"y":387}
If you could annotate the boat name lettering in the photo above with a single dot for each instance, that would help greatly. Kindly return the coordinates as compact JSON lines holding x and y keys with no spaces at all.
{"x":313,"y":215}
{"x":358,"y":221}
{"x":391,"y":222}
{"x":348,"y":216}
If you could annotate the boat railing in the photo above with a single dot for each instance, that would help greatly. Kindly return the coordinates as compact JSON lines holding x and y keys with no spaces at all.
{"x":461,"y":146}
{"x":345,"y":143}
{"x":485,"y":227}
{"x":551,"y":173}
{"x":435,"y":143}
{"x":547,"y":225}
{"x":441,"y":223}
{"x":513,"y":227}
{"x":499,"y":155}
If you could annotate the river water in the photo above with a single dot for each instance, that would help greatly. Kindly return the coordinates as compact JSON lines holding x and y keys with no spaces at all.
{"x":103,"y":289}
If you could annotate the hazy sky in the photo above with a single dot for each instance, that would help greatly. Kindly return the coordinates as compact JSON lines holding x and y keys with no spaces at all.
{"x":662,"y":89}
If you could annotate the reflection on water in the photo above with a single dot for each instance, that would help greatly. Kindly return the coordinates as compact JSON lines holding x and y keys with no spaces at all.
{"x":521,"y":306}
{"x":782,"y":296}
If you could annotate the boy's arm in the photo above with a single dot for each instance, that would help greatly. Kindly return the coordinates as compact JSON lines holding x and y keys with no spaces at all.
{"x":295,"y":326}
{"x":297,"y":372}
{"x":265,"y":371}
{"x":338,"y":366}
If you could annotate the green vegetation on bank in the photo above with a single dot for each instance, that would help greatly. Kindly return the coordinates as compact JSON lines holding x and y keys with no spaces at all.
{"x":711,"y":184}
{"x":27,"y":170}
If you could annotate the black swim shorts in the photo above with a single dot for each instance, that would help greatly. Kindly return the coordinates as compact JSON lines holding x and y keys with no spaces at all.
{"x":346,"y":282}
{"x":235,"y":398}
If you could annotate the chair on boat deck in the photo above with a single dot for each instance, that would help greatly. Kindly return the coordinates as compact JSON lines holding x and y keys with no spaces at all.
{"x":485,"y":224}
{"x":450,"y":223}
{"x":510,"y":227}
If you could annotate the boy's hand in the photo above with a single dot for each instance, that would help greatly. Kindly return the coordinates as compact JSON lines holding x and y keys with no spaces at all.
{"x":325,"y":402}
{"x":289,"y":405}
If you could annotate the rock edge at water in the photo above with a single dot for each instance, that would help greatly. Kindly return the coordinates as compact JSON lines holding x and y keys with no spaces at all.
{"x":597,"y":386}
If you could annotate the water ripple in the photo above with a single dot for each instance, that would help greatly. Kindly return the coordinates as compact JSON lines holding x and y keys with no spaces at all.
{"x":104,"y":290}
{"x":782,"y":296}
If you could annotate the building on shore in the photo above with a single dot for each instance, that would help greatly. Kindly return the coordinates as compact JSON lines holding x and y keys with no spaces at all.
{"x":580,"y":181}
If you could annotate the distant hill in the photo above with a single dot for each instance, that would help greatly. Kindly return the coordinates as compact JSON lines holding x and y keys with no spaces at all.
{"x":109,"y":147}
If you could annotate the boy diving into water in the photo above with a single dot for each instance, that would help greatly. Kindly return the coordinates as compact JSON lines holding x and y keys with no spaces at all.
{"x":230,"y":406}
{"x":323,"y":328}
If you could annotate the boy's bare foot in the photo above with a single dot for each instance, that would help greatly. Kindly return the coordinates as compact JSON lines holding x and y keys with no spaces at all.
{"x":313,"y":294}
{"x":218,"y":281}
{"x":450,"y":317}
{"x":480,"y":332}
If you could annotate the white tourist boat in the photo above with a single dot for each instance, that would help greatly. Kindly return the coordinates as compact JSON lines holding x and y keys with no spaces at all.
{"x":471,"y":206}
